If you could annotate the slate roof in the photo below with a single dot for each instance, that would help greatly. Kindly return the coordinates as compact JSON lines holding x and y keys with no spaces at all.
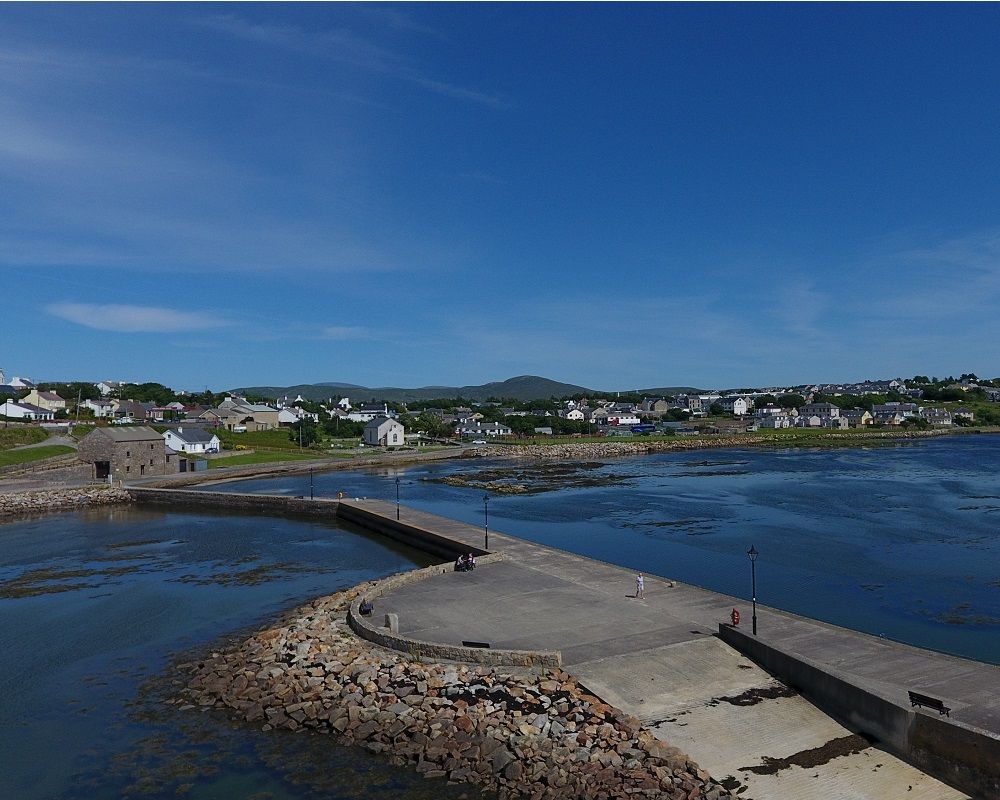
{"x":193,"y":435}
{"x":137,"y":434}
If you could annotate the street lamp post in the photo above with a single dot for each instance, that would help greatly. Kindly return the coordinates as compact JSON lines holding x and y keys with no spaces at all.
{"x":752,"y":553}
{"x":486,"y":519}
{"x":397,"y":498}
{"x":312,"y":493}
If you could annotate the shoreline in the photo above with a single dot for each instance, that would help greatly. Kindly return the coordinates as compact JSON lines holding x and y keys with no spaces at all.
{"x":46,"y":501}
{"x":521,"y":734}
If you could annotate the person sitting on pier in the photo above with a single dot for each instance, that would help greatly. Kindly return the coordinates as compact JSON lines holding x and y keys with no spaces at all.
{"x":461,"y":565}
{"x":470,"y":561}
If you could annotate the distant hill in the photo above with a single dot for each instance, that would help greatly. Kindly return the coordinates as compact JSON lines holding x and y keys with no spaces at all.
{"x":524,"y":387}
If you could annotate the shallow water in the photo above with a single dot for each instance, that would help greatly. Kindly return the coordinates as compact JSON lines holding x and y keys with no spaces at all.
{"x":900,"y":541}
{"x":92,"y":607}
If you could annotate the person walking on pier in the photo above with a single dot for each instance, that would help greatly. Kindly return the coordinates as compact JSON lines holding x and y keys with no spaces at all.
{"x":640,"y":584}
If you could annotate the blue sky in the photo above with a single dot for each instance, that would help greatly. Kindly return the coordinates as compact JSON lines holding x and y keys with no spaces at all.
{"x":618,"y":196}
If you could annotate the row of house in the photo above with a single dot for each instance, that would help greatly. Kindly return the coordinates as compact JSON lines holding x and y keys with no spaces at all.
{"x":828,"y":415}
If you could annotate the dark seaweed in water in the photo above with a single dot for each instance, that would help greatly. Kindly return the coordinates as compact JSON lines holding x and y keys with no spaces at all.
{"x":533,"y":478}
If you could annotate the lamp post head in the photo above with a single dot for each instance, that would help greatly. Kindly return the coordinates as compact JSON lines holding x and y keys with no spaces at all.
{"x":752,"y":552}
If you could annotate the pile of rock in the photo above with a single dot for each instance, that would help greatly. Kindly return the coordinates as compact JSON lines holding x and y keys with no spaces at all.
{"x":538,"y":736}
{"x":61,"y":499}
{"x":611,"y":449}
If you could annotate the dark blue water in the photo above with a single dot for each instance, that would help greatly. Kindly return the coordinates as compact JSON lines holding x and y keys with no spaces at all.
{"x":902,"y":541}
{"x":92,"y":607}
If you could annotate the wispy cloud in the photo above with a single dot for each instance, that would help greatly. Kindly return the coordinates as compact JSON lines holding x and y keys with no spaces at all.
{"x":137,"y":319}
{"x":344,"y":46}
{"x":342,"y":333}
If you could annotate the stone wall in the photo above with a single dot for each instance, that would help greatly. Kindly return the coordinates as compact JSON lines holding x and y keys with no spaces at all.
{"x":60,"y":500}
{"x":366,"y":628}
{"x":947,"y":749}
{"x":276,"y":504}
{"x":519,"y":734}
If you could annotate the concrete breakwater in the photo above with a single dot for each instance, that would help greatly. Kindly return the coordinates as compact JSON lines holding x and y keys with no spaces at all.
{"x":529,"y":734}
{"x":61,"y":500}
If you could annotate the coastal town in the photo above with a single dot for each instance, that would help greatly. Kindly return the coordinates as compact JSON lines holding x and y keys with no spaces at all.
{"x":129,"y":430}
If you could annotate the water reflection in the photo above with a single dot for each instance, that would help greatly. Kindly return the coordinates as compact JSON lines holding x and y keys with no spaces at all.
{"x":93,"y":603}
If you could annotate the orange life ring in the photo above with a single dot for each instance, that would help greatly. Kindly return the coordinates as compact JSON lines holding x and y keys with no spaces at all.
{"x":735,"y":617}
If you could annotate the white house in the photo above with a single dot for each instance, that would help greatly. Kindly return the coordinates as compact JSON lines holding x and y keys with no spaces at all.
{"x":624,"y":418}
{"x":21,"y":383}
{"x":368,"y":412}
{"x":775,"y":421}
{"x":735,"y":405}
{"x":575,"y":414}
{"x":824,"y":411}
{"x":293,"y":414}
{"x":108,"y":387}
{"x":192,"y":440}
{"x":477,"y":429}
{"x":384,"y":432}
{"x":25,"y":411}
{"x":100,"y":408}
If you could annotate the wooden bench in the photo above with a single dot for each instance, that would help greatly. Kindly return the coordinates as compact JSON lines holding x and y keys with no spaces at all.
{"x":917,"y":699}
{"x":475,"y":644}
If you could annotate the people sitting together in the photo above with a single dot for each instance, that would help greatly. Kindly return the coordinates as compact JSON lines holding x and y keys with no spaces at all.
{"x":465,"y":563}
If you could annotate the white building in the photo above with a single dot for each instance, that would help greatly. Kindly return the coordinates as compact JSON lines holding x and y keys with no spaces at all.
{"x":384,"y":432}
{"x":478,"y":430}
{"x":99,"y":408}
{"x":26,"y":411}
{"x":192,"y":440}
{"x":735,"y":405}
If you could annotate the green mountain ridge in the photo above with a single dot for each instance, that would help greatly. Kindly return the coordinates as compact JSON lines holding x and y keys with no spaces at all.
{"x":522,"y":387}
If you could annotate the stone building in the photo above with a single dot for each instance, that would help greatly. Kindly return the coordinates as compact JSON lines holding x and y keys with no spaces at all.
{"x":127,"y":453}
{"x":384,"y":432}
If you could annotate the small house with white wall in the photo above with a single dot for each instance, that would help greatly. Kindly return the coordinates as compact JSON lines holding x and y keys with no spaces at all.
{"x":26,"y":411}
{"x":384,"y":432}
{"x":192,"y":439}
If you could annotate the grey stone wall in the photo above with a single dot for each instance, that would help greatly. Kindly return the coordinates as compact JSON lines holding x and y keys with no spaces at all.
{"x":437,"y":651}
{"x":958,"y":754}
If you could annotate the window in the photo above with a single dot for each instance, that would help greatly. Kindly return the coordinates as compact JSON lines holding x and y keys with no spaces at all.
{"x":128,"y":469}
{"x":128,"y":454}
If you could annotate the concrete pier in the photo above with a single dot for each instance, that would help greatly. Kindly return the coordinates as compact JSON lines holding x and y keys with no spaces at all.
{"x":779,"y":713}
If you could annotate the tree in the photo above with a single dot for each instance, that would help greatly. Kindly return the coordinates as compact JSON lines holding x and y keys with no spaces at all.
{"x":305,"y":432}
{"x":791,"y":401}
{"x":716,"y":409}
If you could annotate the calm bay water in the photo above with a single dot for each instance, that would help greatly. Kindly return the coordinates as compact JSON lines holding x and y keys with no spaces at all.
{"x":900,"y":541}
{"x":93,"y":604}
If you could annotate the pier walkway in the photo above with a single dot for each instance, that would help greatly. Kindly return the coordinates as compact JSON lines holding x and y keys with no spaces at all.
{"x":661,"y":658}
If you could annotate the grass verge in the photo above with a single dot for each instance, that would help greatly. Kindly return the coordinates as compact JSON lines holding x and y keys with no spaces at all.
{"x":9,"y":457}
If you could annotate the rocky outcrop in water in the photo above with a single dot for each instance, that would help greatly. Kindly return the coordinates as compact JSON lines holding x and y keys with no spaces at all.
{"x":61,"y":500}
{"x":520,"y":735}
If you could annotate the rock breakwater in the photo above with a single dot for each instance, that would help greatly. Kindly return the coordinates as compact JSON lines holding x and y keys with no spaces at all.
{"x":612,"y":449}
{"x":60,"y":500}
{"x":521,"y":735}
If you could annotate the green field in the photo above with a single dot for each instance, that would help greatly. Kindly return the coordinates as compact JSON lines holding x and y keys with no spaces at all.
{"x":8,"y":457}
{"x":15,"y":437}
{"x":259,"y":458}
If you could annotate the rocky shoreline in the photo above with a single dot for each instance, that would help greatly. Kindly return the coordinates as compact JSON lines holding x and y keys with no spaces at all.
{"x":612,"y":449}
{"x":12,"y":504}
{"x":521,"y":735}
